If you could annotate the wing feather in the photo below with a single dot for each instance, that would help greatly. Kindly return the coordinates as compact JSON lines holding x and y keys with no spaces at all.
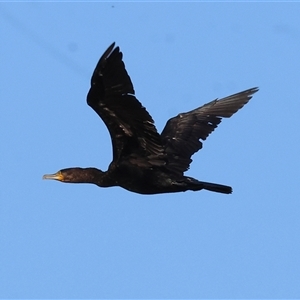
{"x":112,"y":97}
{"x":183,"y":135}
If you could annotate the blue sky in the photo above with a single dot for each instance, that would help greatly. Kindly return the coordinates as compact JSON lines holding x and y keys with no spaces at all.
{"x":80,"y":241}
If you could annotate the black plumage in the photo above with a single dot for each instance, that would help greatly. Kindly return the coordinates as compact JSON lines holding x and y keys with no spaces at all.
{"x":145,"y":161}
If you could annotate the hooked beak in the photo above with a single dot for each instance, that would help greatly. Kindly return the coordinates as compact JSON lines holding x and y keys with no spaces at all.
{"x":57,"y":176}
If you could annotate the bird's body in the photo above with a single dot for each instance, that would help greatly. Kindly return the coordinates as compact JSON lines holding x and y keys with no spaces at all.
{"x":145,"y":161}
{"x":136,"y":179}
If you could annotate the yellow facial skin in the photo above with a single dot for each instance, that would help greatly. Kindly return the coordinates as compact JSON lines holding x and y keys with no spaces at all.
{"x":57,"y":176}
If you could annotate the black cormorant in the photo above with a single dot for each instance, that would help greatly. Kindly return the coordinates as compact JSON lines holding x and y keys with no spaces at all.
{"x":145,"y":161}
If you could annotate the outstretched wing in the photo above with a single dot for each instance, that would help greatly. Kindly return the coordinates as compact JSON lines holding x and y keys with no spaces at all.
{"x":183,"y":134}
{"x":112,"y":97}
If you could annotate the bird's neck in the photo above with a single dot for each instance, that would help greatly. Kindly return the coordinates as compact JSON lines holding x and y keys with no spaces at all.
{"x":93,"y":175}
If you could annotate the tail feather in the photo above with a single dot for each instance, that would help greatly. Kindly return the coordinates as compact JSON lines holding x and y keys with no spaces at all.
{"x":196,"y":185}
{"x":219,"y":188}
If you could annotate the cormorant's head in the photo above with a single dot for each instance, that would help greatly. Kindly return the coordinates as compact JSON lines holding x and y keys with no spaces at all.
{"x":76,"y":175}
{"x":67,"y":175}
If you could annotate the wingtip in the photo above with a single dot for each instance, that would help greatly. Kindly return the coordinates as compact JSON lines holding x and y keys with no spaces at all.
{"x":112,"y":46}
{"x":102,"y":61}
{"x":252,"y":90}
{"x":255,"y":89}
{"x":109,"y":50}
{"x":248,"y":93}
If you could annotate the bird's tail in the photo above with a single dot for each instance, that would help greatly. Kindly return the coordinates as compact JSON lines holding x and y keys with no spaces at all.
{"x":196,"y":185}
{"x":219,"y":188}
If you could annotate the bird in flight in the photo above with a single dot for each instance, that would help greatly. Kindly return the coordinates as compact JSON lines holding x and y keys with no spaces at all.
{"x":145,"y":161}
